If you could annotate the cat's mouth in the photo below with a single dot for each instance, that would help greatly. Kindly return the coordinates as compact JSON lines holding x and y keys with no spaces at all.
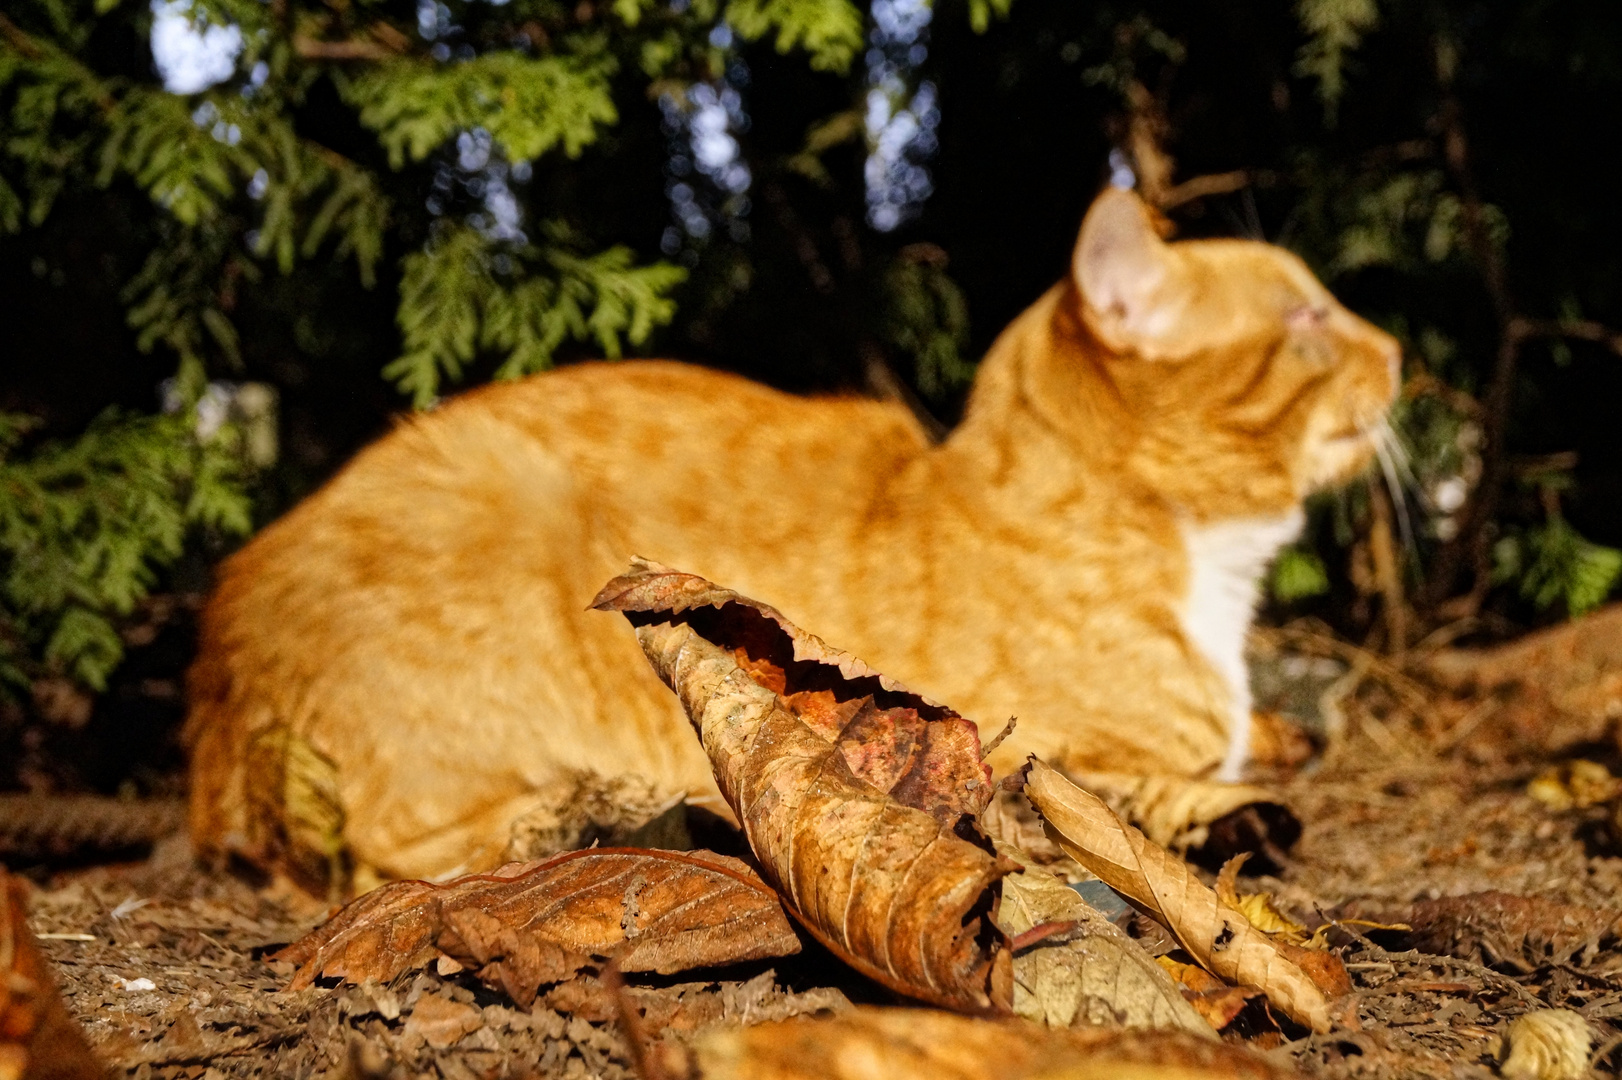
{"x":1340,"y":455}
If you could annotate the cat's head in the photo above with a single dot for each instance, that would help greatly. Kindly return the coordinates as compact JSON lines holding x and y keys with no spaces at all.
{"x":1248,"y":384}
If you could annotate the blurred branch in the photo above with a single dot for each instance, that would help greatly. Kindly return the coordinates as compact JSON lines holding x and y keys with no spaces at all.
{"x":33,"y":50}
{"x":20,"y":40}
{"x":383,"y":42}
{"x":1524,"y":329}
{"x":1146,"y":133}
{"x":1211,"y":184}
{"x":1387,"y":571}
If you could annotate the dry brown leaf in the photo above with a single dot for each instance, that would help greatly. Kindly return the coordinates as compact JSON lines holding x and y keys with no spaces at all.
{"x":1218,"y":937}
{"x":38,"y":1039}
{"x":918,"y":1044}
{"x":525,"y":926}
{"x":854,"y":793}
{"x":1277,"y":742}
{"x":1214,"y":1000}
{"x":441,"y":1022}
{"x":1181,"y":812}
{"x":1258,"y":908}
{"x":1311,"y":954}
{"x":1093,"y":973}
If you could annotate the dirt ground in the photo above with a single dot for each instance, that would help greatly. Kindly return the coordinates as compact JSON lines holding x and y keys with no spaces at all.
{"x":1406,"y":817}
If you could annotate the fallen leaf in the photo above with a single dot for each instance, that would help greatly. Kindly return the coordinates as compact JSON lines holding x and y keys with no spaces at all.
{"x":38,"y":1039}
{"x":1210,"y":997}
{"x":526,"y":925}
{"x":1221,"y":939}
{"x":1277,"y":742}
{"x":690,"y":1007}
{"x":1311,"y":954}
{"x":1181,"y":812}
{"x":855,"y":794}
{"x":1546,"y":1044}
{"x":1326,"y":969}
{"x":1093,"y":973}
{"x":441,"y":1022}
{"x":1257,"y":908}
{"x":924,"y":1044}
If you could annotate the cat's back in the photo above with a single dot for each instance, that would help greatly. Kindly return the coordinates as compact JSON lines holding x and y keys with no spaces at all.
{"x":633,"y":425}
{"x":636,"y":437}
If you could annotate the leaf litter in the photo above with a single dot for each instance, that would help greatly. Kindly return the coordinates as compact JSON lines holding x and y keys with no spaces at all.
{"x":526,"y":926}
{"x":1396,"y":813}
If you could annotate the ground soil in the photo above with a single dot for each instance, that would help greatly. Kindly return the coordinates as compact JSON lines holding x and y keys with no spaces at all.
{"x":166,"y":965}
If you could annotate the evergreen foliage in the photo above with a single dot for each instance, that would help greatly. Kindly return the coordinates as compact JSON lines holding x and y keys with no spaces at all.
{"x":85,"y":525}
{"x":927,"y":320}
{"x":464,"y":294}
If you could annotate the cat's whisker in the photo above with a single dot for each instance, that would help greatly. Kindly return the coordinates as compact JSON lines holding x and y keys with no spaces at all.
{"x":1382,"y":439}
{"x":1402,"y":457}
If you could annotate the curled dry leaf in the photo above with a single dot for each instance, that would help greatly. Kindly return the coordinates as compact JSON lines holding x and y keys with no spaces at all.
{"x":527,"y":926}
{"x":1546,"y":1044}
{"x":855,"y":794}
{"x":38,"y":1039}
{"x":1092,"y":973}
{"x":1180,"y":812}
{"x":919,"y":1044}
{"x":1220,"y":938}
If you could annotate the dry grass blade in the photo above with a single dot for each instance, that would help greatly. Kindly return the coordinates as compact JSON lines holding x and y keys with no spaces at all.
{"x":854,"y":793}
{"x":38,"y":1039}
{"x":527,"y":926}
{"x":917,"y":1044}
{"x":1220,"y":938}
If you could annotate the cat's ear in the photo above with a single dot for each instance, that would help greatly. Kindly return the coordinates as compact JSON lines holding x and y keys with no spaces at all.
{"x":1133,"y":295}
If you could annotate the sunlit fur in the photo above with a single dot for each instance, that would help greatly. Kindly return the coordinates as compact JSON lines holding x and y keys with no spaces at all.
{"x":422,"y":620}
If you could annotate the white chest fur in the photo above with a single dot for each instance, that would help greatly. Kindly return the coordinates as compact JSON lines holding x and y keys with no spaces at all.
{"x":1226,"y":560}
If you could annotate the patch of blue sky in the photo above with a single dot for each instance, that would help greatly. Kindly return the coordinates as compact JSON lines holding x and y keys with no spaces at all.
{"x":900,"y":122}
{"x":189,"y":58}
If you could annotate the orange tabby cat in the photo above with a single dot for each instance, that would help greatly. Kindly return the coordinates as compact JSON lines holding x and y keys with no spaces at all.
{"x":1082,"y":552}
